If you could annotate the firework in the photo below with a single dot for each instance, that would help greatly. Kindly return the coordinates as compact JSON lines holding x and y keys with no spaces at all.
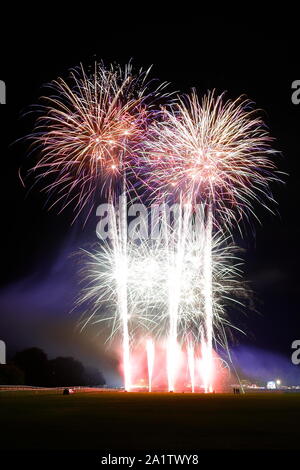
{"x":216,"y":152}
{"x":86,"y":137}
{"x":156,"y":271}
{"x":150,"y":361}
{"x":191,"y":363}
{"x":212,"y":151}
{"x":89,"y":128}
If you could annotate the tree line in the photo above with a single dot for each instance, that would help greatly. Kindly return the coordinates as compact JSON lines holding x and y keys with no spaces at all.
{"x":32,"y":367}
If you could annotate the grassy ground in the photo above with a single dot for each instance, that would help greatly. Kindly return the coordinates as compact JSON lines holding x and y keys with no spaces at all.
{"x":141,"y":421}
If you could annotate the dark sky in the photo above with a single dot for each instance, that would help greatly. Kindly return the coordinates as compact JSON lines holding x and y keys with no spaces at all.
{"x":38,"y":277}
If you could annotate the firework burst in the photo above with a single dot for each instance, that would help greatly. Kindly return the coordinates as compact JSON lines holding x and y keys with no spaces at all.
{"x":214,"y":151}
{"x":89,"y":129}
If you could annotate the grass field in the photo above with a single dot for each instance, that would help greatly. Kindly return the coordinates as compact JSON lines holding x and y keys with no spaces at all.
{"x":141,"y":421}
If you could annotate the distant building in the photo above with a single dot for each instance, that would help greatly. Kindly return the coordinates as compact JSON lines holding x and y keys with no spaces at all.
{"x":271,"y":385}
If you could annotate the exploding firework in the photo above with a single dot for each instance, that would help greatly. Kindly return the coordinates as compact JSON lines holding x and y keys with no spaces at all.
{"x":88,"y":131}
{"x":214,"y":151}
{"x":150,"y":361}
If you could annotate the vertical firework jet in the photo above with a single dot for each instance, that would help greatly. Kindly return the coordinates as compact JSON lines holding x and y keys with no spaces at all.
{"x":176,"y":272}
{"x":215,"y":152}
{"x":191,"y":363}
{"x":208,"y":299}
{"x":88,"y":133}
{"x":86,"y":136}
{"x":150,"y":362}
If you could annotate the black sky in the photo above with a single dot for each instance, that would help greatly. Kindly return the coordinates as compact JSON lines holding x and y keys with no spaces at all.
{"x":257,"y":58}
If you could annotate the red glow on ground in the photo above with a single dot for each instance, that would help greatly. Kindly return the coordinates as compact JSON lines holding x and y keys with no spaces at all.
{"x":139,"y":361}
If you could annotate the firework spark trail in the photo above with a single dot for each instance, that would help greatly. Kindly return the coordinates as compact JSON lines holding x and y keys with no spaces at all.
{"x":204,"y":363}
{"x":118,"y":250}
{"x":191,"y":364}
{"x":123,"y":286}
{"x":176,"y":271}
{"x":150,"y":361}
{"x":208,"y":294}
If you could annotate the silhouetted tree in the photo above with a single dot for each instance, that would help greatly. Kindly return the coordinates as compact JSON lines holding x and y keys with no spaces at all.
{"x":66,"y":371}
{"x":11,"y":375}
{"x":34,"y":363}
{"x":59,"y":372}
{"x":93,"y":376}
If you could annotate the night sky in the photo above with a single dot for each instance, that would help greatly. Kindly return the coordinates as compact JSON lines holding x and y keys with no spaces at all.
{"x":38,"y":273}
